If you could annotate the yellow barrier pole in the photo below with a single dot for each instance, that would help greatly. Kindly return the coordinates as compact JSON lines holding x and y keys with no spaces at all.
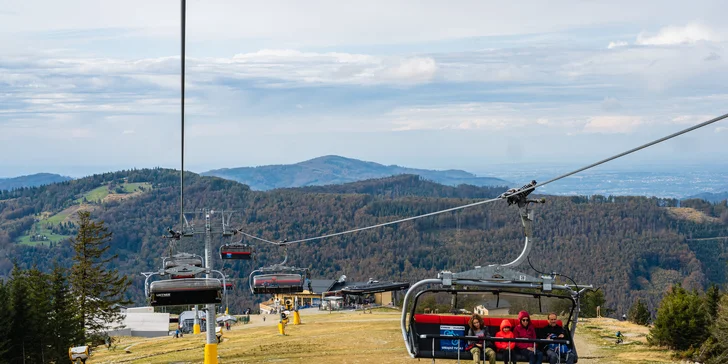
{"x":296,"y":318}
{"x":196,"y":329}
{"x":210,"y":353}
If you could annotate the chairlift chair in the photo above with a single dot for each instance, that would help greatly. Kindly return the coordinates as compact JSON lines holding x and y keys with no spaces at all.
{"x":427,"y":336}
{"x":236,"y":251}
{"x":183,"y":288}
{"x":183,"y":265}
{"x":182,"y":259}
{"x":277,"y":278}
{"x":187,"y":291}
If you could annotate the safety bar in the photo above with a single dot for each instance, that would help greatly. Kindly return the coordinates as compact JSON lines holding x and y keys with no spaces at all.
{"x":501,"y":339}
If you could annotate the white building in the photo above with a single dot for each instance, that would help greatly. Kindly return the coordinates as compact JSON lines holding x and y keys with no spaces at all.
{"x":142,"y":321}
{"x":493,"y":308}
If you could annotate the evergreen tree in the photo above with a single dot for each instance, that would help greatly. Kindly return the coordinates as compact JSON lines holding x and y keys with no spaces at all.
{"x":639,"y":313}
{"x":64,"y":318}
{"x":5,"y":316}
{"x":97,"y":289}
{"x":712,"y":299}
{"x":682,"y":321}
{"x":20,"y":336}
{"x":590,"y":301}
{"x":719,"y":335}
{"x":39,"y":307}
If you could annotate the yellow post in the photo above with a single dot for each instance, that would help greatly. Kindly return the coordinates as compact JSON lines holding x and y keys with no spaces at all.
{"x":281,"y":328}
{"x":210,"y":353}
{"x":196,"y":329}
{"x":296,"y":318}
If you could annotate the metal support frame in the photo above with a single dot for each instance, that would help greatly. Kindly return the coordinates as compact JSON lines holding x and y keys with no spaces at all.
{"x":495,"y":276}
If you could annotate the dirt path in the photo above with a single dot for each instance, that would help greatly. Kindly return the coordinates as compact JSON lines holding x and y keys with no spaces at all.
{"x":589,"y":352}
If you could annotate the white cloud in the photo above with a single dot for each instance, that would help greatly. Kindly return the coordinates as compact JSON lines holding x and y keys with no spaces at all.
{"x":616,"y":44}
{"x":690,"y":33}
{"x":331,"y":67}
{"x":612,"y":124}
{"x":496,"y":116}
{"x":691,"y":119}
{"x":127,"y":132}
{"x":721,"y":129}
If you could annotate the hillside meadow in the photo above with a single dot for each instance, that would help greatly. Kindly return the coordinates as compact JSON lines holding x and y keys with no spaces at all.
{"x":351,"y":337}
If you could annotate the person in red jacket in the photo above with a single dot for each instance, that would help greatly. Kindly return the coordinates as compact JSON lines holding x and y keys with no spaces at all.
{"x":526,"y":331}
{"x":505,"y":332}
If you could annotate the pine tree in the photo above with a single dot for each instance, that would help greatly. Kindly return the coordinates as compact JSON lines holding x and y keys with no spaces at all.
{"x":20,"y":337}
{"x":5,"y":316}
{"x":39,"y":306}
{"x":97,"y":289}
{"x":681,"y":322}
{"x":712,"y":299}
{"x":639,"y":313}
{"x":719,"y":334}
{"x":64,"y":319}
{"x":590,"y":301}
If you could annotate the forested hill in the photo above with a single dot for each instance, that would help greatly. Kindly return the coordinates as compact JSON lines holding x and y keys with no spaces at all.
{"x":628,"y":246}
{"x":32,"y":180}
{"x":332,"y":169}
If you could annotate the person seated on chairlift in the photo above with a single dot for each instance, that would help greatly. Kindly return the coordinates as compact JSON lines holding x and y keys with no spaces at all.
{"x":478,"y":348}
{"x":554,"y":351}
{"x":506,"y":346}
{"x":526,"y":331}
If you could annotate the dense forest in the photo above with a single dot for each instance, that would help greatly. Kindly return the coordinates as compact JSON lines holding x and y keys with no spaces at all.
{"x":630,"y":247}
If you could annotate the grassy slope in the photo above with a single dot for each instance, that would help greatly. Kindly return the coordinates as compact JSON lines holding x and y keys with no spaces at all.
{"x":97,"y":194}
{"x":601,"y":333}
{"x":347,"y":338}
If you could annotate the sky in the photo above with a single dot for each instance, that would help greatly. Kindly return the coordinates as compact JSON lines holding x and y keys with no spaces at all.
{"x":90,"y":86}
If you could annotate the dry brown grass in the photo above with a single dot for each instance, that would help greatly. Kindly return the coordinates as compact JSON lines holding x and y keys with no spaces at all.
{"x":602,"y":334}
{"x":690,"y":214}
{"x":322,"y":338}
{"x":346,"y":337}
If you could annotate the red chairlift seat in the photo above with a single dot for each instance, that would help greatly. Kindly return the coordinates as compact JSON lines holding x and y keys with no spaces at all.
{"x":277,"y":283}
{"x":236,"y":251}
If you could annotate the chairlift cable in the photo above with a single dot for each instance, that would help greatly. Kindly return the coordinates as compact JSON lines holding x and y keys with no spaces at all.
{"x":554,"y":273}
{"x":503,"y":197}
{"x":182,"y":124}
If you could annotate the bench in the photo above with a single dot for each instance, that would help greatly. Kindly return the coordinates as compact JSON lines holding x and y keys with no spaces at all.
{"x":457,"y":325}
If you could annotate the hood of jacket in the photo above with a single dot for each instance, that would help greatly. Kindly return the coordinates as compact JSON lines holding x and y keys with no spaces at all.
{"x":523,"y":314}
{"x":505,"y":323}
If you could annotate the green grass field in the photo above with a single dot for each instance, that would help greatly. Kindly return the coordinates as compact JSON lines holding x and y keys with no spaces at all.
{"x":134,"y":187}
{"x":92,"y":197}
{"x":97,"y":194}
{"x":25,"y":239}
{"x":55,"y":219}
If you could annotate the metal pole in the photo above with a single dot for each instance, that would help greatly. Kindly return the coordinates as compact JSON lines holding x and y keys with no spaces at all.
{"x":211,"y":347}
{"x":182,"y":151}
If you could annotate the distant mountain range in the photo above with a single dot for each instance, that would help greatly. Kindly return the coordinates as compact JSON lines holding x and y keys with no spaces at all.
{"x":32,"y":180}
{"x":711,"y":197}
{"x":331,"y":169}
